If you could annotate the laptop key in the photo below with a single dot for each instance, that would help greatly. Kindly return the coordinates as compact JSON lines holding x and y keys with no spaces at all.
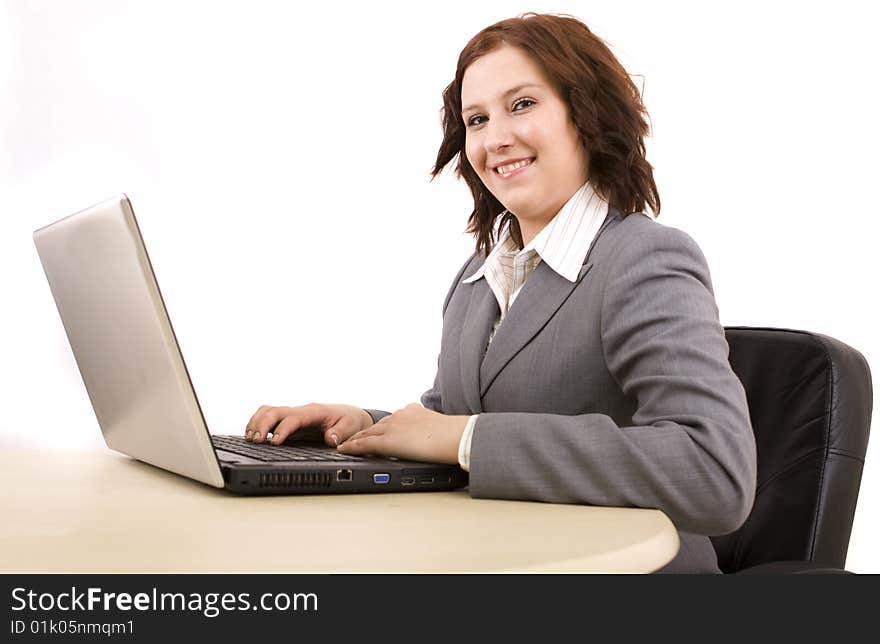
{"x":277,"y":453}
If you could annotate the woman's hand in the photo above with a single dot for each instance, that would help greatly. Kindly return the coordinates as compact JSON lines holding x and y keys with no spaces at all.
{"x":413,"y":433}
{"x":338,"y":422}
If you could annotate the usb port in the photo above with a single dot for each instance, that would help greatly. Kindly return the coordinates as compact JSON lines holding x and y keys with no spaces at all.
{"x":407,"y":480}
{"x":426,"y":480}
{"x":381,"y":478}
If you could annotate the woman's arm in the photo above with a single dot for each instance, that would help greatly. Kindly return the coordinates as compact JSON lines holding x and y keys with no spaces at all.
{"x":689,"y":450}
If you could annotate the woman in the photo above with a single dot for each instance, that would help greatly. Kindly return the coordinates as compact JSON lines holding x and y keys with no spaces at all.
{"x":582,"y":359}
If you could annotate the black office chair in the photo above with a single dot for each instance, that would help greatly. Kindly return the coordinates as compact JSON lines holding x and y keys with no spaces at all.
{"x":810,"y":399}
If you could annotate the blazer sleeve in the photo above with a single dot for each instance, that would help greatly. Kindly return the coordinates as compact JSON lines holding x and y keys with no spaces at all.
{"x":689,"y":449}
{"x":431,"y":398}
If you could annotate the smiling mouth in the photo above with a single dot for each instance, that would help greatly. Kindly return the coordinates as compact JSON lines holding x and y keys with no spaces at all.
{"x":514,"y":168}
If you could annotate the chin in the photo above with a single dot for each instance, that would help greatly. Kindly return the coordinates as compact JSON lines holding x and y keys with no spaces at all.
{"x":519,"y":207}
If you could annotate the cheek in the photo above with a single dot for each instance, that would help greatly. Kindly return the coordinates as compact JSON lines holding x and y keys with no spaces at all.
{"x":477,"y":158}
{"x":529,"y":132}
{"x":472,"y":153}
{"x":553,"y":146}
{"x":574,"y":145}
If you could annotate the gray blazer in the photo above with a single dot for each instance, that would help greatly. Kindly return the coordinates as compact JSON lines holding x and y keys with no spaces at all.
{"x":615,"y":390}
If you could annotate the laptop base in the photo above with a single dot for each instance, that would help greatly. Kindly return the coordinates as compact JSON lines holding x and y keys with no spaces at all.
{"x":336,"y":478}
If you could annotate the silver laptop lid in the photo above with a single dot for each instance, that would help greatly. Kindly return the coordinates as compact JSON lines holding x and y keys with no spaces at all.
{"x":123,"y":342}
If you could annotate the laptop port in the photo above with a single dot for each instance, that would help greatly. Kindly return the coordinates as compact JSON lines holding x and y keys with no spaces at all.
{"x":407,"y":480}
{"x":343,"y":475}
{"x":381,"y":478}
{"x":426,"y":480}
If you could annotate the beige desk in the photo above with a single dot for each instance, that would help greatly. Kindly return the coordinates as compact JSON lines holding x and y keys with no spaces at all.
{"x":99,"y":511}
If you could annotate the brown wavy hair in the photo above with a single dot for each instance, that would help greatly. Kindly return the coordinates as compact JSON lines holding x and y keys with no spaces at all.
{"x":604,"y":104}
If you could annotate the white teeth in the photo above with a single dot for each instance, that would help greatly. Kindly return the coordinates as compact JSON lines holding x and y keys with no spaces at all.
{"x":507,"y":169}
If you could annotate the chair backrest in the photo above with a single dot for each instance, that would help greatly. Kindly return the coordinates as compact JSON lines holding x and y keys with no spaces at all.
{"x":810,"y":400}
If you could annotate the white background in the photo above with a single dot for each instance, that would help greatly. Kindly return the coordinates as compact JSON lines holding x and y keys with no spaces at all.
{"x":277,"y":157}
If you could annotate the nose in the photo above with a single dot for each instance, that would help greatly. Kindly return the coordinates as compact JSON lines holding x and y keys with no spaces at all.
{"x":499,"y":135}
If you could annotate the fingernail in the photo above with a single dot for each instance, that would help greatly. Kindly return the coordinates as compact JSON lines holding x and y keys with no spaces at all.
{"x":256,"y":436}
{"x":249,"y":434}
{"x":335,"y":439}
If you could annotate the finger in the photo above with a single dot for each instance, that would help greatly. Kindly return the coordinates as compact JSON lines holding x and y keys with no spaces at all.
{"x":338,"y":434}
{"x":252,"y":423}
{"x":285,"y":427}
{"x":294,"y":418}
{"x":342,"y":430}
{"x":268,"y":421}
{"x":373,"y":430}
{"x":345,"y":427}
{"x":261,"y":422}
{"x":364,"y":445}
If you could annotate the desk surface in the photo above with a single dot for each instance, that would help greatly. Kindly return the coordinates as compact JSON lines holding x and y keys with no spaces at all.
{"x":99,"y":511}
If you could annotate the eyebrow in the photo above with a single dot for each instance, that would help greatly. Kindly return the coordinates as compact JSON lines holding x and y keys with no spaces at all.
{"x":512,"y":90}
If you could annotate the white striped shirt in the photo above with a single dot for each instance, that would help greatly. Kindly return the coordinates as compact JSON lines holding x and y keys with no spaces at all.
{"x":563,"y":244}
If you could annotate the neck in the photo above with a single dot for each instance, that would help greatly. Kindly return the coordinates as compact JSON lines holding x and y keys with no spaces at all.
{"x":529,"y":228}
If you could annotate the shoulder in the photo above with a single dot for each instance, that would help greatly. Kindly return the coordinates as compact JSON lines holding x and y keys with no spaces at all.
{"x":646,"y":256}
{"x":637,"y":236}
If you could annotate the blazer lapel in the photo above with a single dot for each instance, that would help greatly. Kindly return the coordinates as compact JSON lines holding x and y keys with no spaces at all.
{"x":481,"y":314}
{"x":541,"y":296}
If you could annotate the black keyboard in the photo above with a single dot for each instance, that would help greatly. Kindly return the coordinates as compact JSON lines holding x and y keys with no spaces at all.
{"x":272,"y":453}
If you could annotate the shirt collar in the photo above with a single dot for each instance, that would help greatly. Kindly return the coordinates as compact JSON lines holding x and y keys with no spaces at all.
{"x":564,"y":242}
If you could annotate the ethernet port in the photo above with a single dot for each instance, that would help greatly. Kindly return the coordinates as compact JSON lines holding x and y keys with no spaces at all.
{"x":343,"y":475}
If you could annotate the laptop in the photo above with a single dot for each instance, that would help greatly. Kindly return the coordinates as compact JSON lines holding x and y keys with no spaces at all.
{"x":127,"y":353}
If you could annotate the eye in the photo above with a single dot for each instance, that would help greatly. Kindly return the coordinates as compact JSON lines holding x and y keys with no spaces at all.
{"x":524,"y":100}
{"x":527,"y":102}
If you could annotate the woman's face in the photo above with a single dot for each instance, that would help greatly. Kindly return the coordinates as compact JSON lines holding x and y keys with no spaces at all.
{"x":511,"y":114}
